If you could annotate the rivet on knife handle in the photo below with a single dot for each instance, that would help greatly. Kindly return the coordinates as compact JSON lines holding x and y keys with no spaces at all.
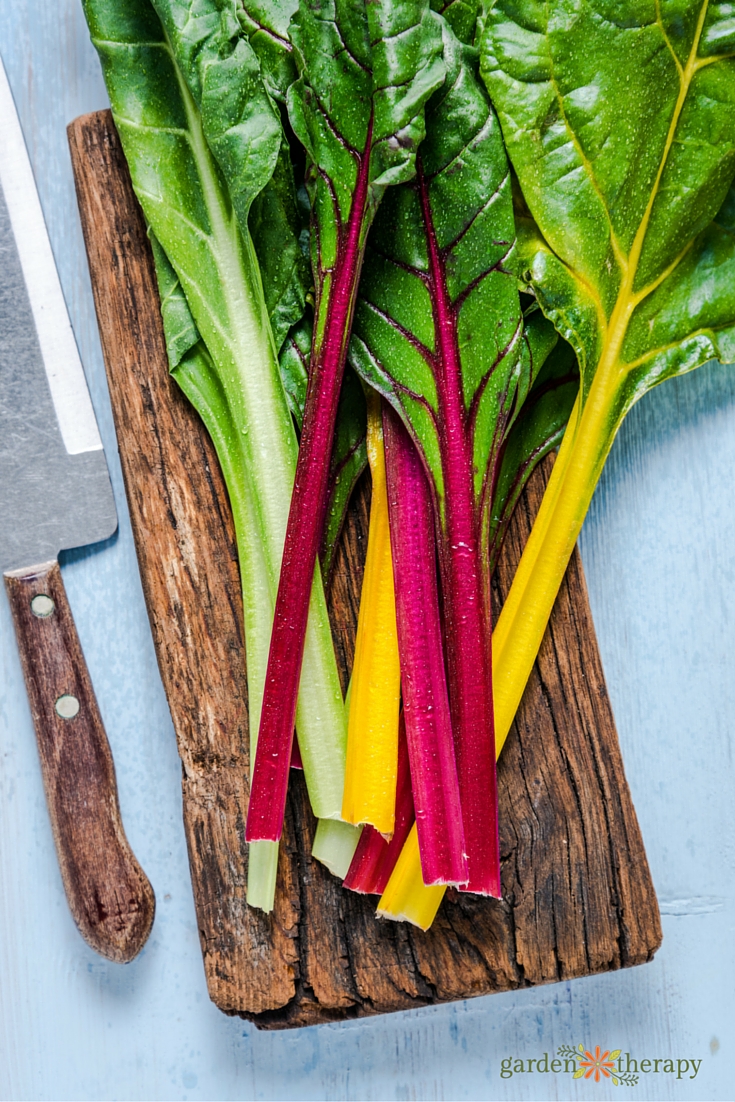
{"x":110,"y":897}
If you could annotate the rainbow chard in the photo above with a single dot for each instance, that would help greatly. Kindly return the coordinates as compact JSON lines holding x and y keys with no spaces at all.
{"x":366,"y":72}
{"x":536,"y":430}
{"x":439,"y":332}
{"x":622,"y":134}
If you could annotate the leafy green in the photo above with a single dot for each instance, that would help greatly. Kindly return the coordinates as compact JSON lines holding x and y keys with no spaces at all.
{"x":622,"y":182}
{"x":461,"y":15}
{"x":242,"y":126}
{"x":265,"y":22}
{"x":619,"y":120}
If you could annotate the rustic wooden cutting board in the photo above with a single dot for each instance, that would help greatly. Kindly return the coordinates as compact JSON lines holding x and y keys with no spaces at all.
{"x":577,"y":893}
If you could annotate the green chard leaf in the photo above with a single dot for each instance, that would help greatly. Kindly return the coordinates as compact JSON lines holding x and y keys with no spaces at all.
{"x":241,"y":123}
{"x":366,"y":70}
{"x":622,"y":133}
{"x":222,"y":73}
{"x":184,"y":197}
{"x":619,"y":120}
{"x":265,"y":22}
{"x":461,"y":15}
{"x":439,"y":332}
{"x":197,"y":206}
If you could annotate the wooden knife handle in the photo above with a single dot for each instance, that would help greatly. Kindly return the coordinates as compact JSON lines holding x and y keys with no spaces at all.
{"x":110,"y":897}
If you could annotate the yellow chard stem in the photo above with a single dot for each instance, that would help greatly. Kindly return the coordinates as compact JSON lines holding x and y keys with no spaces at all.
{"x":375,"y":688}
{"x":406,"y":898}
{"x":525,"y":614}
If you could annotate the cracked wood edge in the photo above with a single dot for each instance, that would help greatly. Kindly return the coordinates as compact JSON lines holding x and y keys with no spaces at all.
{"x":578,"y":896}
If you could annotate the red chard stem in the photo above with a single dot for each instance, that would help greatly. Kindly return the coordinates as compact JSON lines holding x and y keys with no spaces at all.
{"x":305,"y":524}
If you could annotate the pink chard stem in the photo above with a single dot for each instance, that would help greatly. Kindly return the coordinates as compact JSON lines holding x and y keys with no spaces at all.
{"x":423,"y":679}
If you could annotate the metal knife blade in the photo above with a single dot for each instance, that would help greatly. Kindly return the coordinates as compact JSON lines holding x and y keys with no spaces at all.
{"x":55,"y":493}
{"x":55,"y":489}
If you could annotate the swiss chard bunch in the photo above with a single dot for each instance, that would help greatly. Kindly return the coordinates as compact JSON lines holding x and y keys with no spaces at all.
{"x":328,"y":182}
{"x":439,"y":332}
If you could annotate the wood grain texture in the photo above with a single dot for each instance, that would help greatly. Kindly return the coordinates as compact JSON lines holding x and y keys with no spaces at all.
{"x":578,"y":897}
{"x":109,"y":895}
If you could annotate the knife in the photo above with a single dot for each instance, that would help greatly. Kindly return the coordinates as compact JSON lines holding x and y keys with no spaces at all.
{"x":55,"y":494}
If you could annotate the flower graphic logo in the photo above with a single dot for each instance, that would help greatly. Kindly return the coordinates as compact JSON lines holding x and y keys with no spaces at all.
{"x":600,"y":1066}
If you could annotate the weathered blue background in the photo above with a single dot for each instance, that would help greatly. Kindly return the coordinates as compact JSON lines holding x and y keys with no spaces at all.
{"x":659,"y":550}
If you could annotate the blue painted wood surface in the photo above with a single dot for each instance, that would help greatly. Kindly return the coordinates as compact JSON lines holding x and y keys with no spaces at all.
{"x":659,"y":551}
